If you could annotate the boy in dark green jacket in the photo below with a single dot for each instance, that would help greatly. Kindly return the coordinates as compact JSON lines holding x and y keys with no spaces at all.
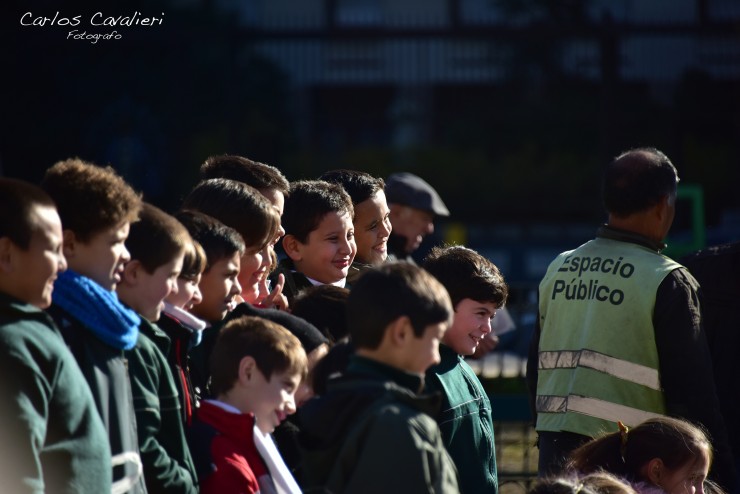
{"x":157,"y":245}
{"x":371,"y":432}
{"x":51,"y":437}
{"x":477,"y":290}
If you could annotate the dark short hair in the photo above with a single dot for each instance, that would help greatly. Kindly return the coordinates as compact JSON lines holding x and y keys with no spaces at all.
{"x":383,"y":294}
{"x":274,"y":349}
{"x":324,"y":306}
{"x":17,"y":202}
{"x":309,"y":202}
{"x":156,"y":239}
{"x":467,"y":274}
{"x":258,"y":175}
{"x":217,"y":240}
{"x":637,"y":180}
{"x":90,"y":198}
{"x":237,"y":205}
{"x":360,"y":186}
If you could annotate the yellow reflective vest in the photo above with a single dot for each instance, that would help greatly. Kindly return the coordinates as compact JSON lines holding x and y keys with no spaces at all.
{"x":598,"y":363}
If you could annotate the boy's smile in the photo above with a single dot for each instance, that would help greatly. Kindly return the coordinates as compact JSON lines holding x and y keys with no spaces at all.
{"x":329,"y":249}
{"x":471,"y":323}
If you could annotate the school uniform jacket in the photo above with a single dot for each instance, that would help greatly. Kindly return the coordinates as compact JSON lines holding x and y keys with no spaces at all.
{"x":51,"y":436}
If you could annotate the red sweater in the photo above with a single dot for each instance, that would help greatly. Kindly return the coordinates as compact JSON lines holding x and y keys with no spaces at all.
{"x":237,"y":466}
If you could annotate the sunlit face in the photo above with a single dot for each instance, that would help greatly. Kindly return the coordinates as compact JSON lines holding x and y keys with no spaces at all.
{"x":689,"y":479}
{"x":277,"y":199}
{"x":103,"y":257}
{"x":154,"y":287}
{"x":219,"y":286}
{"x":329,"y":249}
{"x":412,"y":224}
{"x":305,"y":390}
{"x":272,"y":400}
{"x":372,"y":228}
{"x":34,"y":269}
{"x":187,"y":294}
{"x":472,"y":321}
{"x":424,"y":351}
{"x":255,"y":264}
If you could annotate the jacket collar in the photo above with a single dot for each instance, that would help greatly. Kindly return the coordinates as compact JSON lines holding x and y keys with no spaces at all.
{"x":612,"y":233}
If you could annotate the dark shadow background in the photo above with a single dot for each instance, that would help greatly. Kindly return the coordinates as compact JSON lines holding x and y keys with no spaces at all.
{"x":515,"y":151}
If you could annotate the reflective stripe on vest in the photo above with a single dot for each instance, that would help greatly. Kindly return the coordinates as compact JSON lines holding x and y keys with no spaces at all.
{"x":593,"y":407}
{"x":622,"y":369}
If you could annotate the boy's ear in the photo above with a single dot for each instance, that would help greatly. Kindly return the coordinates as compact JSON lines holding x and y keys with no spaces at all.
{"x":131,"y":272}
{"x":247,"y":368}
{"x":69,"y":243}
{"x":292,"y":247}
{"x":399,"y":331}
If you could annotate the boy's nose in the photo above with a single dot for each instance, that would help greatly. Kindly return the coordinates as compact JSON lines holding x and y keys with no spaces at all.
{"x":125,"y":255}
{"x":386,"y":227}
{"x":197,"y":296}
{"x":290,"y":407}
{"x":62,"y":263}
{"x":486,"y":327}
{"x":236,"y":287}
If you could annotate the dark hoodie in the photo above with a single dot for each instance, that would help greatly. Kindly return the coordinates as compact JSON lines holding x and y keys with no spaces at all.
{"x":371,"y":432}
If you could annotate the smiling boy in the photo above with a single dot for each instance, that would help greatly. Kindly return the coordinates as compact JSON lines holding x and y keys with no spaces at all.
{"x":219,"y":286}
{"x":157,"y":245}
{"x":371,"y":217}
{"x":256,"y":368}
{"x":51,"y":436}
{"x":96,"y":207}
{"x":477,"y":290}
{"x":319,"y":239}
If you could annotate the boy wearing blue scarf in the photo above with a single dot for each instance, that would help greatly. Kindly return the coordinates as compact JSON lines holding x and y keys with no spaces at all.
{"x":157,"y":245}
{"x":51,"y":437}
{"x":96,"y":207}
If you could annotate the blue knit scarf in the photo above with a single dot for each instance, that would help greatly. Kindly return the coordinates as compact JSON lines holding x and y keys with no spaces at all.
{"x":97,"y":309}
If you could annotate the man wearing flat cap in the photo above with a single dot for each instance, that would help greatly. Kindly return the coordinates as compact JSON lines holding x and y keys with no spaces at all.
{"x":413,"y":204}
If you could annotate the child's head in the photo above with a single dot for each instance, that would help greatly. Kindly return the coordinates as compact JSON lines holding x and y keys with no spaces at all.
{"x":193,"y":264}
{"x":223,"y":247}
{"x":257,"y":366}
{"x":477,"y":290}
{"x":397,"y":313}
{"x":595,"y":483}
{"x":96,"y":207}
{"x":319,"y":234}
{"x":157,"y":245}
{"x":267,"y":179}
{"x":30,"y":243}
{"x":667,"y":452}
{"x":241,"y":207}
{"x":324,"y":306}
{"x":372,"y":217}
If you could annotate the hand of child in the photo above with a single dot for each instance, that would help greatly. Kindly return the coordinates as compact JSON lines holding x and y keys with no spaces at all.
{"x":276,"y":299}
{"x":487,"y":343}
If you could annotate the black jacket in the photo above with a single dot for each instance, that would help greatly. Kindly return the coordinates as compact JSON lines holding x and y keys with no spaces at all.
{"x":371,"y":433}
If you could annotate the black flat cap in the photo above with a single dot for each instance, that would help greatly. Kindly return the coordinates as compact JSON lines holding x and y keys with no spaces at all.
{"x":410,"y":190}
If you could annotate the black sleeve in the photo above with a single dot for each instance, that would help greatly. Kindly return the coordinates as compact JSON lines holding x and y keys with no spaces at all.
{"x":686,"y":367}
